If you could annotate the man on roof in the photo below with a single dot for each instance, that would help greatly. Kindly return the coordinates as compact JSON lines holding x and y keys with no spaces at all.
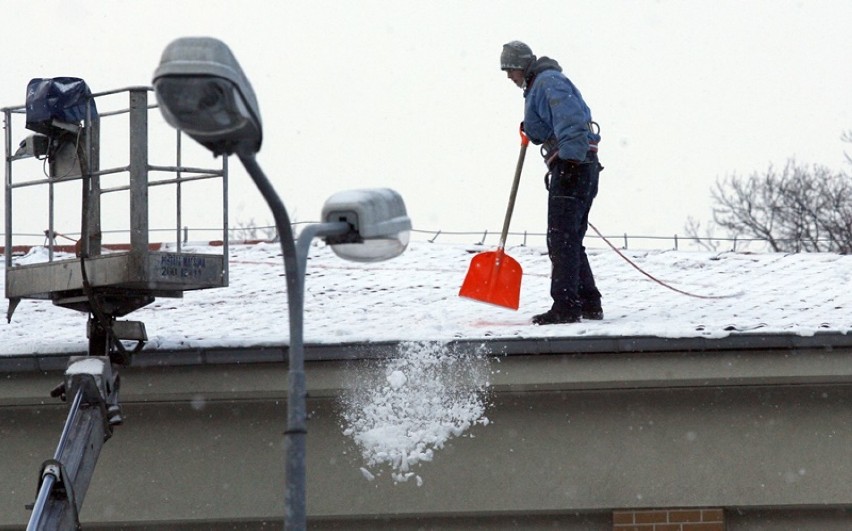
{"x":557,"y":118}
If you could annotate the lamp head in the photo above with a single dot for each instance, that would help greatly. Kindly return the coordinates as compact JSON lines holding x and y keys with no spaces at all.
{"x":380,"y":224}
{"x":203,"y":91}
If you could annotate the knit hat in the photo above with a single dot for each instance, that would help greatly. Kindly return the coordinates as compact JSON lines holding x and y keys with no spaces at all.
{"x":516,"y":56}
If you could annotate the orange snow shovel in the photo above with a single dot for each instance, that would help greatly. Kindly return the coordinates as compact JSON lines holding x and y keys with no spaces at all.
{"x":494,"y":276}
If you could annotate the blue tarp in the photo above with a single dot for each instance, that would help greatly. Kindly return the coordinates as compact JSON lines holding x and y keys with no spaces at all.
{"x":64,"y":99}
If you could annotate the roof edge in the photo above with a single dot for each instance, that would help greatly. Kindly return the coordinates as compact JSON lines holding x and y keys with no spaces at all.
{"x":493,"y":346}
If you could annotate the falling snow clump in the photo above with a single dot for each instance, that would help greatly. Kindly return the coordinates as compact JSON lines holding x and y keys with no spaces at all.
{"x":404,"y":408}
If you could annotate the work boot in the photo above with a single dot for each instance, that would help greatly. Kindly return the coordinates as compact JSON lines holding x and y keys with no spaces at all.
{"x":593,"y":315}
{"x":555,"y":317}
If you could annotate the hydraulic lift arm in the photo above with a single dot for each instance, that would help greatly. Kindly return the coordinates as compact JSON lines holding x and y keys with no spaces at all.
{"x":94,"y":410}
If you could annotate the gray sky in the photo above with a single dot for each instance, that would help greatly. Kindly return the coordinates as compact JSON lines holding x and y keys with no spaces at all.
{"x":408,"y":94}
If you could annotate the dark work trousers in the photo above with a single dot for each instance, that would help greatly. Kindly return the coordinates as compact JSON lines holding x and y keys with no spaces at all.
{"x":573,"y":187}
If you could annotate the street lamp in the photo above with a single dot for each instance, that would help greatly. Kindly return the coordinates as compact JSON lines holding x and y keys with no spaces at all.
{"x":203,"y":91}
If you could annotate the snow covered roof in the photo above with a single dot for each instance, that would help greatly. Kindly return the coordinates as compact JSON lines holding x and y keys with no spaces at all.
{"x":415,"y":297}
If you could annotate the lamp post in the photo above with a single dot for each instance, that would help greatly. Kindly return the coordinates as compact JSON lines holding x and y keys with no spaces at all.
{"x":203,"y":91}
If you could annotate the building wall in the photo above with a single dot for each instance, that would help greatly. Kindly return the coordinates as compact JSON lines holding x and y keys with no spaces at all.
{"x":202,"y":446}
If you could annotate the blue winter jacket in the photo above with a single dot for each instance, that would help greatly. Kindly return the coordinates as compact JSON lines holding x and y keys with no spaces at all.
{"x":554,"y":108}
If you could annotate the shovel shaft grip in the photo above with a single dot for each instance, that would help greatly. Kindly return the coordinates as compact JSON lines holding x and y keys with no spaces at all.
{"x":514,"y":193}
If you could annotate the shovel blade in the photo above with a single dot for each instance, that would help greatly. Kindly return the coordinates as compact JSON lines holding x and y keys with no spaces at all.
{"x":493,"y":277}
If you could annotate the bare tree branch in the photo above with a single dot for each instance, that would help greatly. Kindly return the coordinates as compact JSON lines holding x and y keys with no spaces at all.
{"x":797,"y":209}
{"x":693,"y":232}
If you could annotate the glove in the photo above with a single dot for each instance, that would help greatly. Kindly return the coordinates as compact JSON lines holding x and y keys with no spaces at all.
{"x":558,"y":165}
{"x":566,"y":165}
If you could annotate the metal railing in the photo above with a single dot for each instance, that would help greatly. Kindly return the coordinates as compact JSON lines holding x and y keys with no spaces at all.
{"x":136,"y":168}
{"x":625,"y":241}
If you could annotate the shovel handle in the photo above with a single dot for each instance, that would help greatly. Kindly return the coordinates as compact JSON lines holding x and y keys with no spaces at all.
{"x":511,"y":207}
